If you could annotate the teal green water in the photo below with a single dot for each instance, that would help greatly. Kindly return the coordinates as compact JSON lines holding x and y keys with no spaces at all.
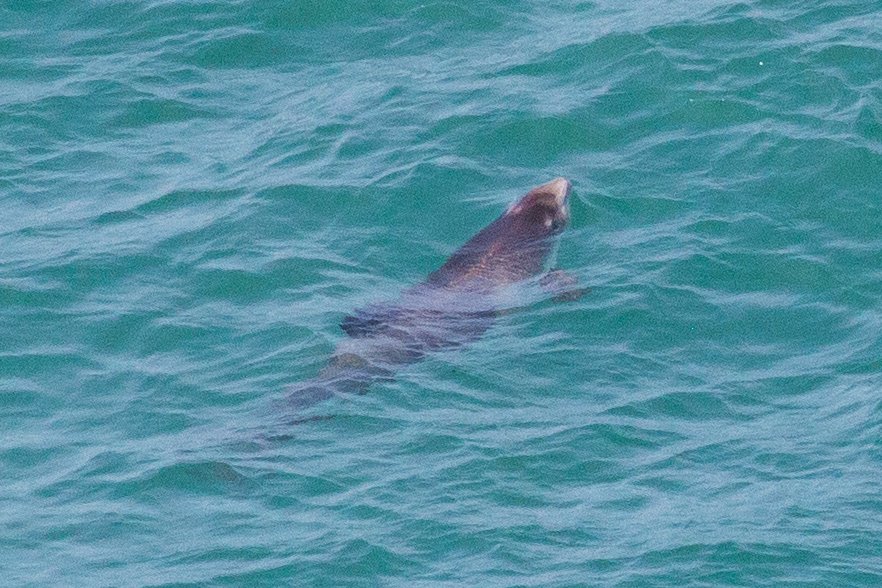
{"x":194,"y":193}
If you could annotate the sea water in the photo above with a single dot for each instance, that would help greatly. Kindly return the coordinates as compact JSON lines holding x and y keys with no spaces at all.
{"x":194,"y":193}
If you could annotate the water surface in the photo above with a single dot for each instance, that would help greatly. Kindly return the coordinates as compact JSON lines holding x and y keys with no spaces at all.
{"x":195,"y":193}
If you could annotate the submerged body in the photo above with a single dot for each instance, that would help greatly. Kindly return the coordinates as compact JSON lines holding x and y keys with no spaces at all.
{"x":454,"y":305}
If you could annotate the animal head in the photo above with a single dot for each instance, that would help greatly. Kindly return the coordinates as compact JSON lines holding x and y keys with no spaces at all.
{"x":513,"y":247}
{"x":543,"y":212}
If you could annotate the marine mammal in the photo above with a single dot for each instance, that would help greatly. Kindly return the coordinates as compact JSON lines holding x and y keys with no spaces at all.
{"x":455,"y":304}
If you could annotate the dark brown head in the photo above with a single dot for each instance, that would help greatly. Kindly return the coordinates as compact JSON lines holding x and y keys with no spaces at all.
{"x":543,"y":212}
{"x":513,"y":247}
